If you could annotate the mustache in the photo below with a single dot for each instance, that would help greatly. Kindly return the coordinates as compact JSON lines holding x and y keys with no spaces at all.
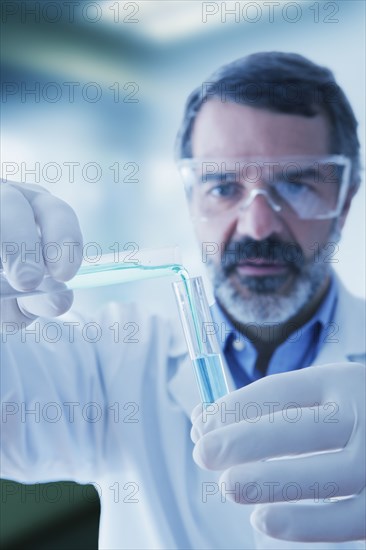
{"x":270,"y":249}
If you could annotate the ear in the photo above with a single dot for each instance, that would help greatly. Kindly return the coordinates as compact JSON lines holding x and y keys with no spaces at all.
{"x":347,"y":204}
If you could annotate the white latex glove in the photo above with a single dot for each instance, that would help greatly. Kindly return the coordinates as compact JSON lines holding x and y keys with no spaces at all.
{"x":264,"y":449}
{"x":31,"y":217}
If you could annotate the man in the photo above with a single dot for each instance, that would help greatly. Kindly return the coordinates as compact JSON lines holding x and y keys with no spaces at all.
{"x":270,"y":177}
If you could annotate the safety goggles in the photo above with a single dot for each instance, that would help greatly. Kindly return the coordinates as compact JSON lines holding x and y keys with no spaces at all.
{"x":312,"y":188}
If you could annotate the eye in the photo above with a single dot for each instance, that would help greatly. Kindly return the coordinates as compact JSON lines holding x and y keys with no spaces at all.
{"x":293,"y":187}
{"x":226,"y":190}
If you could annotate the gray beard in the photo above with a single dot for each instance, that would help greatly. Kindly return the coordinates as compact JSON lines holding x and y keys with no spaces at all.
{"x":265,"y":306}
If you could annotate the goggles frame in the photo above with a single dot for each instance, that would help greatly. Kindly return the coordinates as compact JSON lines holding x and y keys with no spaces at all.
{"x":187,"y":165}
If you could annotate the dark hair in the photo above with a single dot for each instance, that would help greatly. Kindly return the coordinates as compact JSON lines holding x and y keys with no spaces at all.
{"x":282,"y":82}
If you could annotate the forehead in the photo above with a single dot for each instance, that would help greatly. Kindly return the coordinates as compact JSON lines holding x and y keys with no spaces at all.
{"x":233,"y":130}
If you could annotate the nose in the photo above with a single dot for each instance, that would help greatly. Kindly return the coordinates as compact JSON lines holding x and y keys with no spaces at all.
{"x":258,"y":217}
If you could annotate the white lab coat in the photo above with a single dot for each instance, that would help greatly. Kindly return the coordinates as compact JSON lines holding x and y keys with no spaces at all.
{"x":138,"y":451}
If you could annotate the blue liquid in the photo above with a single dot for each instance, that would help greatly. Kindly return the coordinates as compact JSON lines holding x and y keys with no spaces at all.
{"x":93,"y":276}
{"x":208,"y":368}
{"x":210,"y":377}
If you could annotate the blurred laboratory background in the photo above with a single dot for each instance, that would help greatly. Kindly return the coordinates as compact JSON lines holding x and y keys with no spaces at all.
{"x":92,"y":97}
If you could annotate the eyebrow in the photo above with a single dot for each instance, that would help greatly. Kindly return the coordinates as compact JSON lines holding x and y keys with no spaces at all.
{"x":303,"y":173}
{"x":215,"y":177}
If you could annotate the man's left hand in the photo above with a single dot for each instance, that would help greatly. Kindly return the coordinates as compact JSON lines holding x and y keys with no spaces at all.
{"x":292,"y":437}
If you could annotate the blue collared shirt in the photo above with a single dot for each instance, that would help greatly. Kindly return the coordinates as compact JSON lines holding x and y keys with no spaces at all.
{"x":296,"y":352}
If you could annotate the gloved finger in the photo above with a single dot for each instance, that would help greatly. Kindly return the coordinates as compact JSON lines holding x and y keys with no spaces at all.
{"x":56,"y":301}
{"x":320,"y":476}
{"x":340,"y":521}
{"x":61,"y":236}
{"x":17,"y":313}
{"x":53,"y":299}
{"x":304,"y":388}
{"x":12,"y":318}
{"x":60,"y":231}
{"x":19,"y":234}
{"x":252,"y":413}
{"x":25,"y":188}
{"x":247,"y":441}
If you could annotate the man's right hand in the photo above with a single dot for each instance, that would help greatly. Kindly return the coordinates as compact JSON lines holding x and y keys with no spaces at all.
{"x":41,"y":247}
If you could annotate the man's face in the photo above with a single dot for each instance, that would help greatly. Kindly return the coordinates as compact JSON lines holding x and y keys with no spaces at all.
{"x":267,"y":288}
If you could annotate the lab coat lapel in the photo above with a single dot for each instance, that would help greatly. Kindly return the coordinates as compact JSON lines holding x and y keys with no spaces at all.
{"x":183,"y":385}
{"x":345,"y":339}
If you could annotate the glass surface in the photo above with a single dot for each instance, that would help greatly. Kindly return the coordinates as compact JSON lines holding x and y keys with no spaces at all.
{"x":106,"y":271}
{"x":309,"y":187}
{"x":210,"y":377}
{"x":202,"y":343}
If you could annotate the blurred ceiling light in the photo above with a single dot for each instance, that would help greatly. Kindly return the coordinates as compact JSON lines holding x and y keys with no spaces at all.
{"x":160,"y":21}
{"x":168,"y":20}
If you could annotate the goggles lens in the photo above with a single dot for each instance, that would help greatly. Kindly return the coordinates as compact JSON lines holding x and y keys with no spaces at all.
{"x":309,"y":187}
